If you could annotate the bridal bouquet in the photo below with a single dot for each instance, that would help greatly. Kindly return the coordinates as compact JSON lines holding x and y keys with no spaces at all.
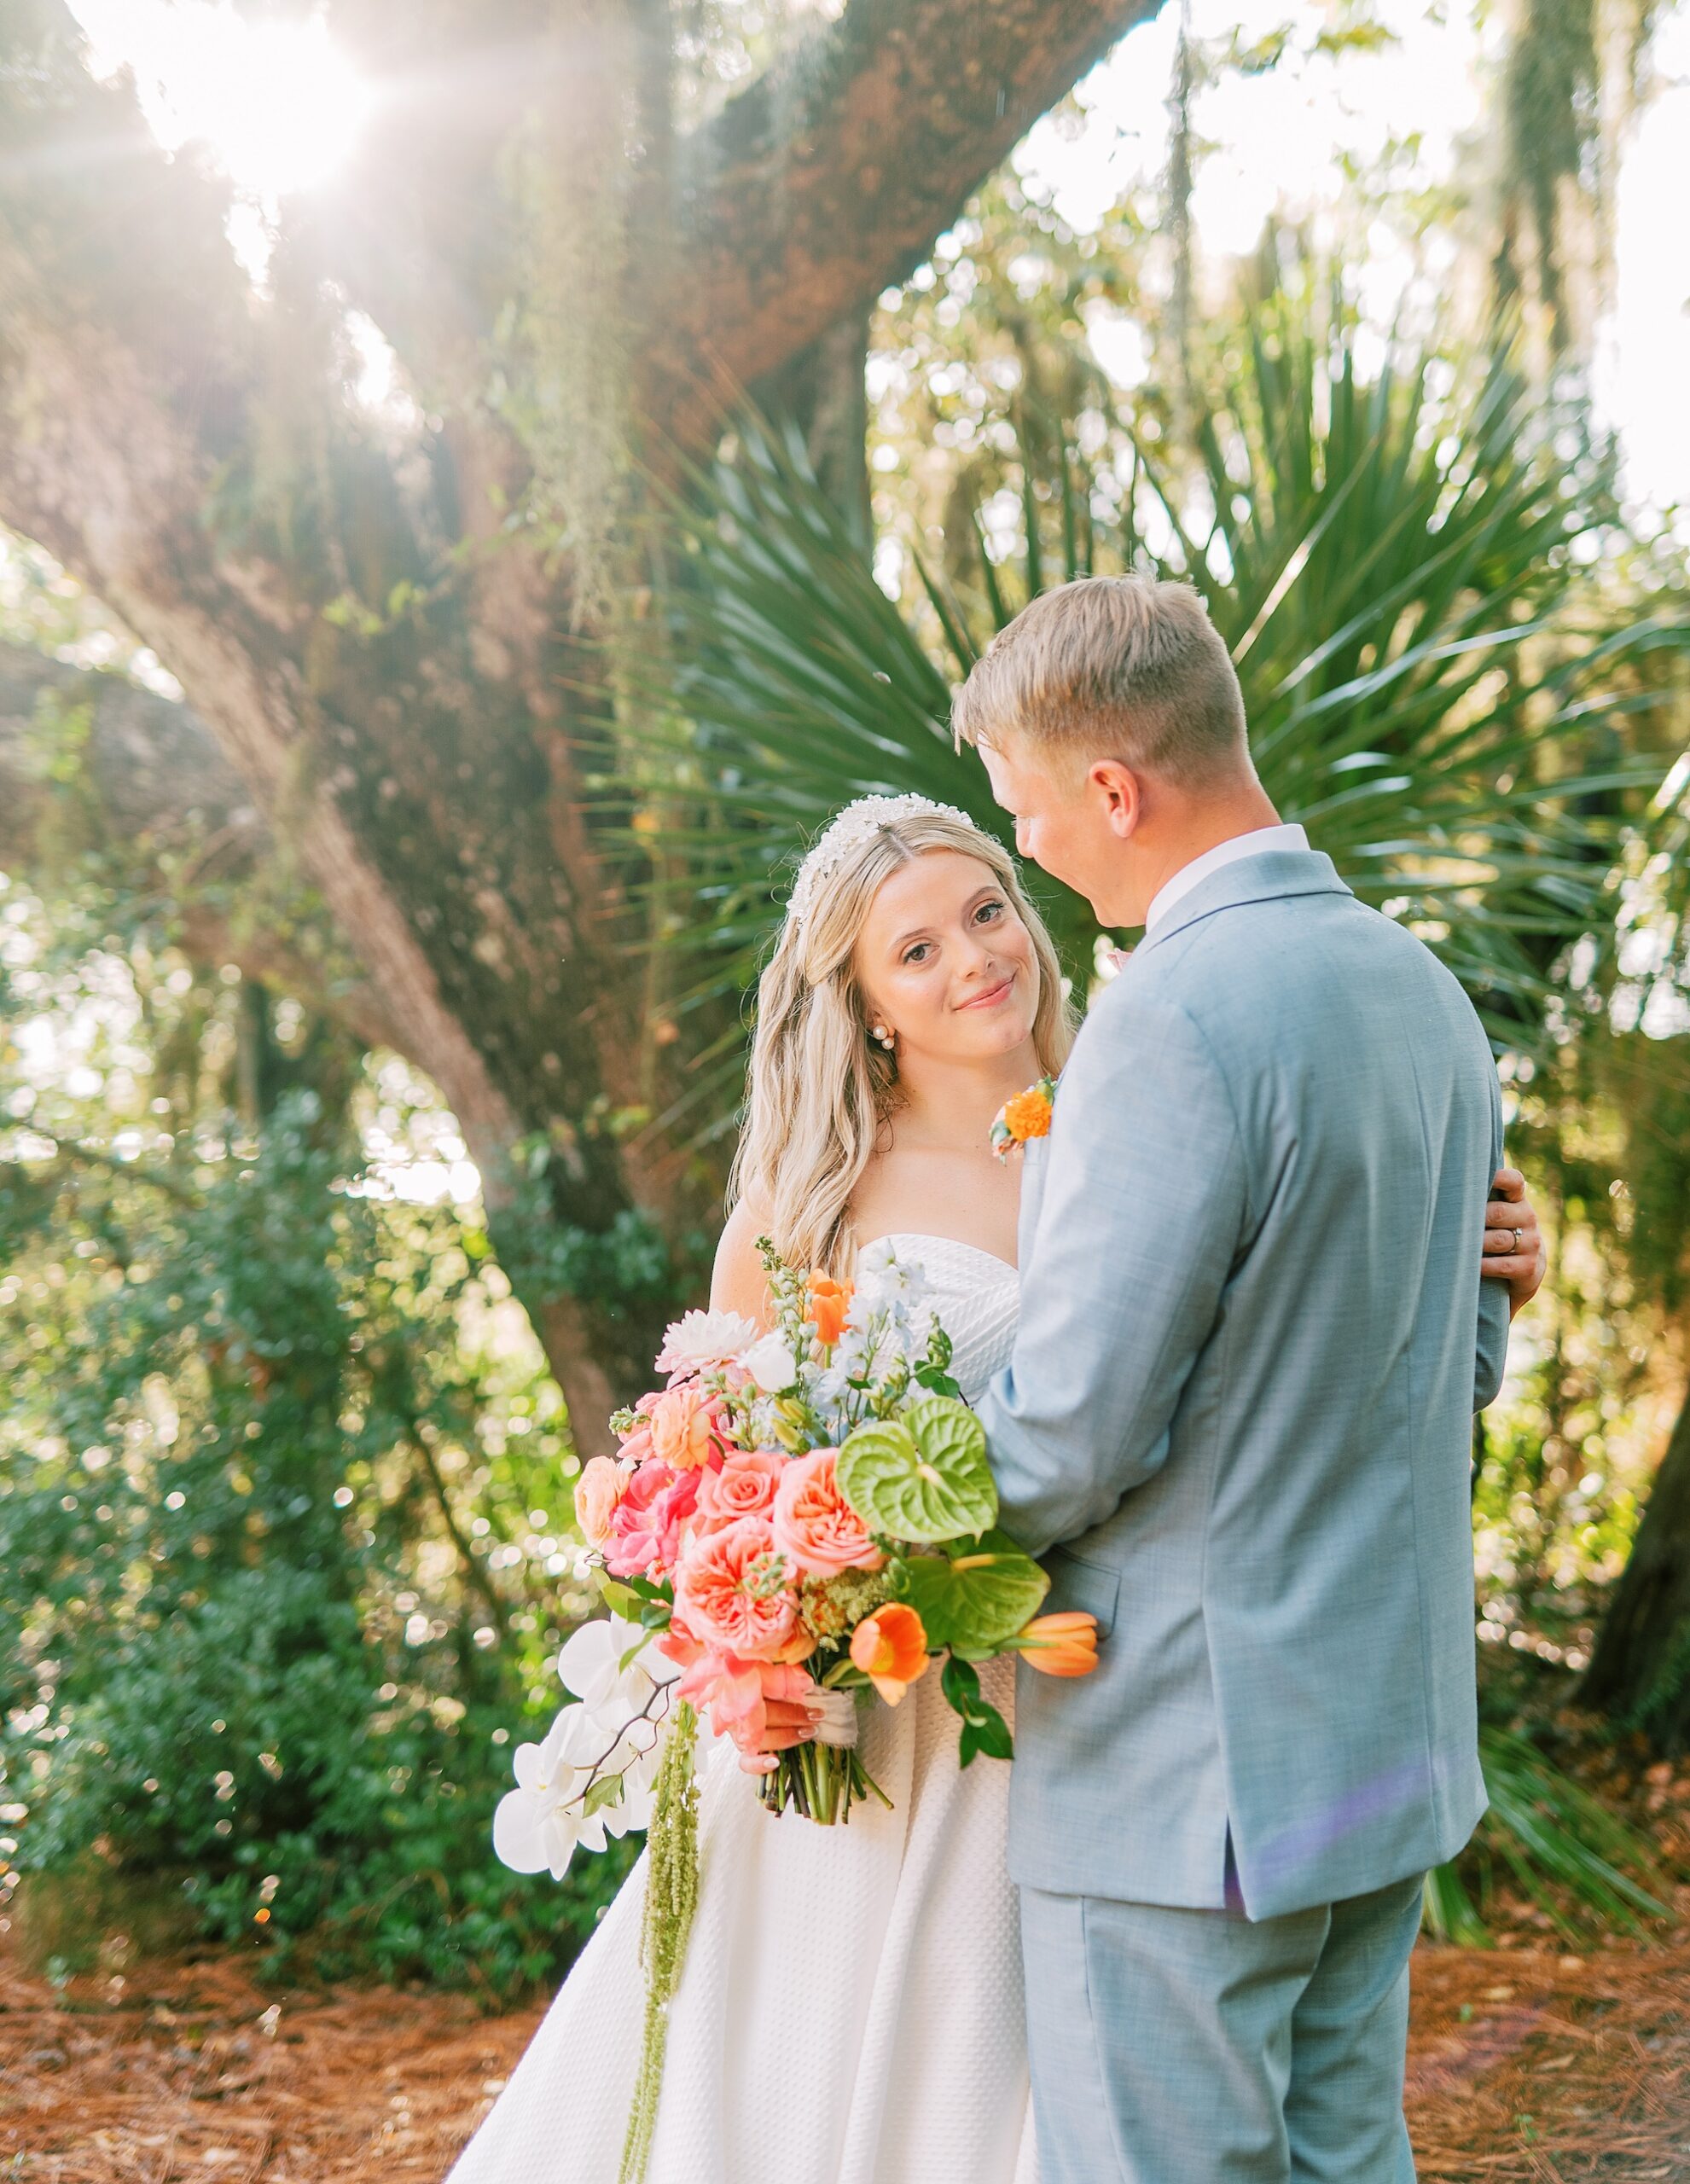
{"x":804,"y":1514}
{"x":807,"y":1513}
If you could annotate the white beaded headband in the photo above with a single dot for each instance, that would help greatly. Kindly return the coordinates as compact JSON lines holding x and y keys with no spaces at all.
{"x":855,"y":824}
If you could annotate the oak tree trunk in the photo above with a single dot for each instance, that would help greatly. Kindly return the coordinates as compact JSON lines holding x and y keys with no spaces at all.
{"x":1640,"y":1670}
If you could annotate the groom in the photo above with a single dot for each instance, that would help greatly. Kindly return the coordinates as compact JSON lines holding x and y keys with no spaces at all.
{"x":1237,"y":1424}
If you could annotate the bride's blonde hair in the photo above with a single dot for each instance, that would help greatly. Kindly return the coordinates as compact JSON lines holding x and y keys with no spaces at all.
{"x":819,"y":1087}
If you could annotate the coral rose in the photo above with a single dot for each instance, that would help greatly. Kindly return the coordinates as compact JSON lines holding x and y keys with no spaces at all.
{"x":645,"y":1532}
{"x":731,"y":1589}
{"x":829,"y":1303}
{"x":597,"y":1493}
{"x":743,"y":1487}
{"x":684,"y":1424}
{"x":891,"y":1648}
{"x":815,"y":1525}
{"x":1064,"y":1644}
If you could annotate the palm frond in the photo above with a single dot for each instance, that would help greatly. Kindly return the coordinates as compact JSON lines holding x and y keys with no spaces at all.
{"x":1578,"y":1862}
{"x":1393,"y":571}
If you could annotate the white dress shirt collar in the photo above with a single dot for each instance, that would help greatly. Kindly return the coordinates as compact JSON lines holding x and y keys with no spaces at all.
{"x":1258,"y":840}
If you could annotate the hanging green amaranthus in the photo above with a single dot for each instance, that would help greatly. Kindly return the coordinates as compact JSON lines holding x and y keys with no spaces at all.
{"x":671,"y":1898}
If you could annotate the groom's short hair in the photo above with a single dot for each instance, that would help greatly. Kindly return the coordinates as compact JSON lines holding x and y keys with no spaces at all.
{"x":1111,"y":667}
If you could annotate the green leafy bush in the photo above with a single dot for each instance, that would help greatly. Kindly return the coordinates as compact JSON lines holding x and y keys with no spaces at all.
{"x":278,"y":1586}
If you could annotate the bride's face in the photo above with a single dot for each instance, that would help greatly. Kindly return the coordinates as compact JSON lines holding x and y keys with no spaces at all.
{"x":943,"y":961}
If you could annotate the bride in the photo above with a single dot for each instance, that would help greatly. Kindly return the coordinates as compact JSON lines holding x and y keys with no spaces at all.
{"x":851,"y":2008}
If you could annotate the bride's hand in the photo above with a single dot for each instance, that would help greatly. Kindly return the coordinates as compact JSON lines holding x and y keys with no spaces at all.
{"x":786,"y":1722}
{"x":1514,"y":1245}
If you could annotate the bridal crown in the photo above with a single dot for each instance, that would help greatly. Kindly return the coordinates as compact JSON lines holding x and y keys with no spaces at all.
{"x":856,"y":823}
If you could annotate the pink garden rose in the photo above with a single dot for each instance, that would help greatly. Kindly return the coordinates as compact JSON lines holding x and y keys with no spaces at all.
{"x":685,"y":1424}
{"x":597,"y":1492}
{"x":743,"y":1487}
{"x":645,"y":1530}
{"x":814,"y":1523}
{"x":731,"y":1591}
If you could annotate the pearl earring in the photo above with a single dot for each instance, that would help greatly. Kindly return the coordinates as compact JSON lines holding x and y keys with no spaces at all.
{"x":888,"y":1039}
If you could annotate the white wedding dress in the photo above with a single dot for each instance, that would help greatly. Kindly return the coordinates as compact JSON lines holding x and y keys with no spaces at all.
{"x":851,"y":2008}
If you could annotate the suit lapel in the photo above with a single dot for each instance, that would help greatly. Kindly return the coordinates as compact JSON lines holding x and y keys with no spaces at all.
{"x":1033,"y":1156}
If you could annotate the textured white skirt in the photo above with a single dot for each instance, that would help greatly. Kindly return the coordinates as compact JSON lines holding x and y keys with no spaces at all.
{"x":851,"y":2008}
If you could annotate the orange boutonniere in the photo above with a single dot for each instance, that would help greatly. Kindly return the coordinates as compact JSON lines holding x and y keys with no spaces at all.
{"x":1026,"y":1116}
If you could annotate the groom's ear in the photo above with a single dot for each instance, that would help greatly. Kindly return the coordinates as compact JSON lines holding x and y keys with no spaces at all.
{"x":1118,"y":790}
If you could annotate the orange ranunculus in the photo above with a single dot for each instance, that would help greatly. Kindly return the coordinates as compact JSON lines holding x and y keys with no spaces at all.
{"x":829,"y":1301}
{"x":683,"y":1424}
{"x":597,"y":1492}
{"x":1028,"y":1115}
{"x":891,"y":1648}
{"x":1064,"y":1644}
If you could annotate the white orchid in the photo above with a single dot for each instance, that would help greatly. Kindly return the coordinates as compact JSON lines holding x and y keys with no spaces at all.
{"x":611,"y":1665}
{"x":612,"y":1736}
{"x":700,"y":1338}
{"x":538,"y":1824}
{"x":771,"y":1364}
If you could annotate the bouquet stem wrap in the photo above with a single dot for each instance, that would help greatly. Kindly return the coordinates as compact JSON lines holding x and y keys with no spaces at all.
{"x":671,"y":1898}
{"x":822,"y":1779}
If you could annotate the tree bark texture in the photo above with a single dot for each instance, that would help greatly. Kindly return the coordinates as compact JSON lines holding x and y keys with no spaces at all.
{"x":1640,"y":1667}
{"x":376,"y":639}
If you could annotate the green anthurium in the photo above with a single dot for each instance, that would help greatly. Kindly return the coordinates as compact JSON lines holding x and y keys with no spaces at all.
{"x":975,"y":1598}
{"x":922,"y":1476}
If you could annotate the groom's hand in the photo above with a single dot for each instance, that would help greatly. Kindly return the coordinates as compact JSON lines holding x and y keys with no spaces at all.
{"x":786,"y":1722}
{"x":1514,"y":1245}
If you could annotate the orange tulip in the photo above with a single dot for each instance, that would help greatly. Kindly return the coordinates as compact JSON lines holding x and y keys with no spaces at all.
{"x":829,"y":1301}
{"x":1065,"y":1644}
{"x":891,"y":1648}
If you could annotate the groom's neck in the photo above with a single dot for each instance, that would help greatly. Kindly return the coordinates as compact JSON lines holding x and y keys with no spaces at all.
{"x":1184,"y":827}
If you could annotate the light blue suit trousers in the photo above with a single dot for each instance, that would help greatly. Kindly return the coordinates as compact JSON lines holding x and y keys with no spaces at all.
{"x":1200,"y":2048}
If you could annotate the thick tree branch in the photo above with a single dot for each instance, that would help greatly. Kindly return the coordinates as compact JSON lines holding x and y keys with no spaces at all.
{"x":145,"y":765}
{"x":91,"y":762}
{"x":829,"y":177}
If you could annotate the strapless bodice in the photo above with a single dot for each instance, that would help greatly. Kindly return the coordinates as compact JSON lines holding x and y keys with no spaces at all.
{"x":977,"y":1296}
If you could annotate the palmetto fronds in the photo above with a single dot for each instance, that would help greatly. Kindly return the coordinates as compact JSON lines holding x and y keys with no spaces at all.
{"x":1579,"y":1862}
{"x":1397,"y":571}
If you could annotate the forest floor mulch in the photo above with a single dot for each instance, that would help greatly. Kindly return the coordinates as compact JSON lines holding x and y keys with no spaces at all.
{"x":1527,"y":2066}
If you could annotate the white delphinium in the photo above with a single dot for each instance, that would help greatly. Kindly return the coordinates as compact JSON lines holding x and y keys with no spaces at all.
{"x":830,"y":1394}
{"x":889,"y":1321}
{"x":895,"y":1295}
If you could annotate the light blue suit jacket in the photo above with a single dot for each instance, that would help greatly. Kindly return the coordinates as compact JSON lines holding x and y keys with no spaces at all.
{"x":1238,"y":1420}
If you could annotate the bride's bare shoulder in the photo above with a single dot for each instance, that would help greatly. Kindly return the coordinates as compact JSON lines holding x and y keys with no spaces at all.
{"x":738,"y":1283}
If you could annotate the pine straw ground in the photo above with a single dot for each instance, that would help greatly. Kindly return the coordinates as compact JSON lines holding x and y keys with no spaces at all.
{"x":1529,"y":2066}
